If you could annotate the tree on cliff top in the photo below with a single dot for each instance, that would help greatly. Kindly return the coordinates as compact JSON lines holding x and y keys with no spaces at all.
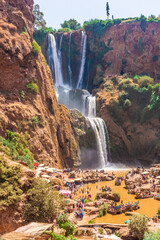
{"x":107,"y":10}
{"x":72,"y":24}
{"x":39,"y":23}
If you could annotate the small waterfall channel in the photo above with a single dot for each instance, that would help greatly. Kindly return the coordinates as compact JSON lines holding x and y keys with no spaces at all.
{"x":83,"y":60}
{"x":87,"y":101}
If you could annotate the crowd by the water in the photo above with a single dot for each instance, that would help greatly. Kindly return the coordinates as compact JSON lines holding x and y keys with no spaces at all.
{"x":79,"y":200}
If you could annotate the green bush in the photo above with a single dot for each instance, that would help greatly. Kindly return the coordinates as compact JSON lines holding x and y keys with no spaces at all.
{"x":22,"y":94}
{"x":103,"y":210}
{"x":35,"y":48}
{"x":144,"y":81}
{"x":136,"y":78}
{"x":10,"y":186}
{"x":127,"y":104}
{"x":124,"y":83}
{"x":87,"y":200}
{"x":41,"y":34}
{"x":16,"y":146}
{"x":33,"y":87}
{"x":138,"y":225}
{"x":25,"y":31}
{"x":34,"y":121}
{"x":154,"y":102}
{"x":64,"y":30}
{"x":114,"y":80}
{"x":91,"y":221}
{"x":43,"y":204}
{"x":98,"y":27}
{"x":54,"y":236}
{"x":152,"y":236}
{"x":69,"y":227}
{"x":143,"y":21}
{"x":122,"y":98}
{"x":62,"y":218}
{"x":156,"y":88}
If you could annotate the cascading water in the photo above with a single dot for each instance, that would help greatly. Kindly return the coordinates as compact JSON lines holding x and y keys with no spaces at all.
{"x":60,"y":53}
{"x":69,"y":61}
{"x":98,"y":126}
{"x":83,"y":60}
{"x":54,"y":61}
{"x":87,"y":103}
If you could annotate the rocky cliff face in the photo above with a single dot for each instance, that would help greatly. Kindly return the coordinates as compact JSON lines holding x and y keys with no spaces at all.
{"x":51,"y":139}
{"x":127,"y":48}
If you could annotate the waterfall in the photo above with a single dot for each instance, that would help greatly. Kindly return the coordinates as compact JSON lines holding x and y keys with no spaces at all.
{"x":69,"y":61}
{"x":91,"y":106}
{"x":54,"y":60}
{"x":60,"y":53}
{"x":83,"y":60}
{"x":79,"y":98}
{"x":98,"y":126}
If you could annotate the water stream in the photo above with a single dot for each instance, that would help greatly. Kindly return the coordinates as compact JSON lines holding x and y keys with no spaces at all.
{"x":69,"y":61}
{"x":83,"y":60}
{"x":54,"y":60}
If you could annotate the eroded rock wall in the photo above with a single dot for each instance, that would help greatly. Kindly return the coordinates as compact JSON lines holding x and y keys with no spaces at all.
{"x":51,"y":140}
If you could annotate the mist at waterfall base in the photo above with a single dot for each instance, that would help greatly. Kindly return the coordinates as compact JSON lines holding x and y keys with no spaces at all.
{"x":98,"y":155}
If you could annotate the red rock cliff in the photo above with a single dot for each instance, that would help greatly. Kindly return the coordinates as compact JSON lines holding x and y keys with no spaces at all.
{"x":52,"y":141}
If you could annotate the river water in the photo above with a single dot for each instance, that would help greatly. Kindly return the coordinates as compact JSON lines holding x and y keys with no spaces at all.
{"x":148,"y":207}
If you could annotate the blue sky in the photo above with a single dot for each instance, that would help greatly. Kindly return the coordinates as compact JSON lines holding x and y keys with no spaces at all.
{"x":56,"y":11}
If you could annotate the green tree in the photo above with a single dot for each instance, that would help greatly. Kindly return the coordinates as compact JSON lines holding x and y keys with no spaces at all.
{"x":152,"y":236}
{"x":107,"y":10}
{"x":10,"y":186}
{"x":72,"y":24}
{"x":43,"y":204}
{"x":139,"y":225}
{"x":39,"y":23}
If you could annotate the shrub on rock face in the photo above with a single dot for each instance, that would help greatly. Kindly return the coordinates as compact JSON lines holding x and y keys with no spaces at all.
{"x":122,"y":98}
{"x":33,"y":87}
{"x":16,"y":147}
{"x":138,"y":225}
{"x":127,"y":104}
{"x":144,"y":81}
{"x":103,"y":210}
{"x":124,"y":83}
{"x":43,"y":204}
{"x":35,"y":48}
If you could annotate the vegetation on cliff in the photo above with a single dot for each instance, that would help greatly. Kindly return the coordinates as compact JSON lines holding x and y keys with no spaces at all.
{"x":16,"y":147}
{"x":10,"y":186}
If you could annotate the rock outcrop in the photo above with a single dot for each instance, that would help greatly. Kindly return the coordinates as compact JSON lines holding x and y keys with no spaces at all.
{"x":51,"y":140}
